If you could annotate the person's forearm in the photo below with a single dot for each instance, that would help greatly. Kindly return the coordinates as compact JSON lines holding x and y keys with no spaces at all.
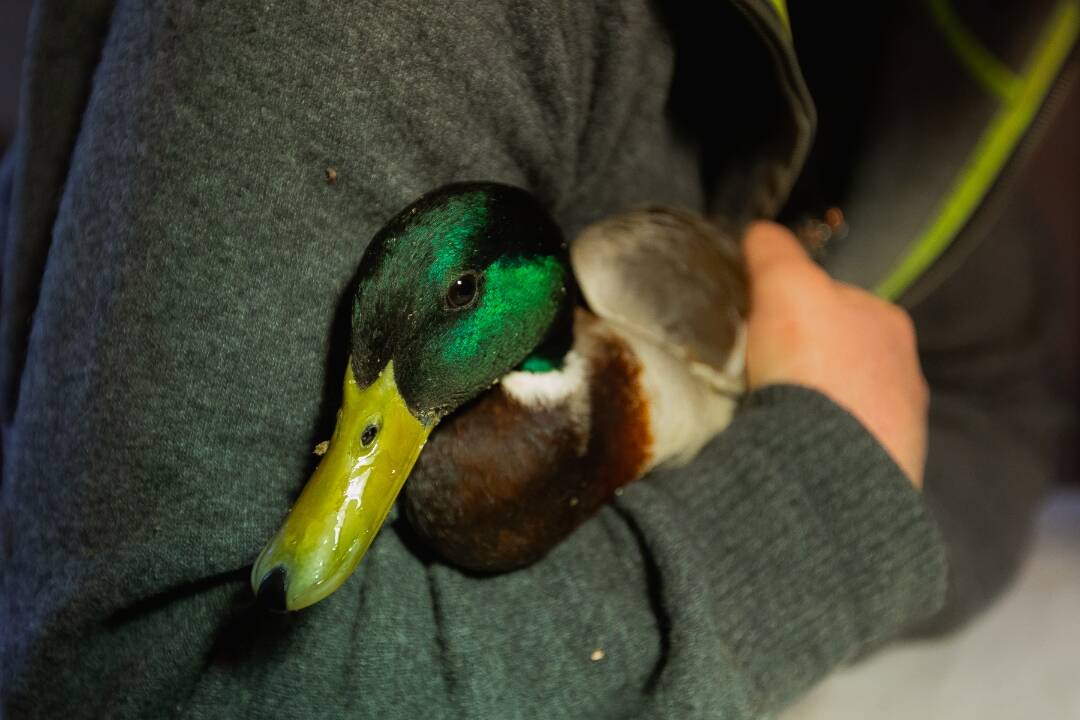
{"x":720,"y":591}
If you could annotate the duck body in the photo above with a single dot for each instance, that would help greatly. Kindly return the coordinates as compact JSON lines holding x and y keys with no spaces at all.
{"x":507,"y":477}
{"x":516,"y":471}
{"x":518,"y":381}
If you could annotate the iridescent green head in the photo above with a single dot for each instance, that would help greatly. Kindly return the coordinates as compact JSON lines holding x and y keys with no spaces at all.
{"x":457,"y":290}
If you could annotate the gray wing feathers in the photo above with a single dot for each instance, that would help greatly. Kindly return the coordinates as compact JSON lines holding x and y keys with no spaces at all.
{"x":671,"y":277}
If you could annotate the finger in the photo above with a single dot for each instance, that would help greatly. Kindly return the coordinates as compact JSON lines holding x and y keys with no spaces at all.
{"x":767,"y":244}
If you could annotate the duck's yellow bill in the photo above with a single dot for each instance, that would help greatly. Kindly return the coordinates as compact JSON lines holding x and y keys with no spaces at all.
{"x":373,"y":449}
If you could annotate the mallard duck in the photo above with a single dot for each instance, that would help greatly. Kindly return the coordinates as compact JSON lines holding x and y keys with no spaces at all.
{"x":468,"y":316}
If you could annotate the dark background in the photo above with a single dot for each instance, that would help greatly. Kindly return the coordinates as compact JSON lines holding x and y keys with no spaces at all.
{"x":13,"y":17}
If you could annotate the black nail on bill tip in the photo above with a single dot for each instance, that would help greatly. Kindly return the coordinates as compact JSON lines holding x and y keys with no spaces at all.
{"x":271,"y":593}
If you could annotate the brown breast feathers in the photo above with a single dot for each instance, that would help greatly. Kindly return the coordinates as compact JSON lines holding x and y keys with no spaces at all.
{"x":501,"y":482}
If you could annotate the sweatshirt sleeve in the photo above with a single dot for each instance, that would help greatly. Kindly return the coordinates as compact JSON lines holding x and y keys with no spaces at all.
{"x":175,"y":378}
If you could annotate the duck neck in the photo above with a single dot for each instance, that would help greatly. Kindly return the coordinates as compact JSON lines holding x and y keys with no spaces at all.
{"x":550,"y":354}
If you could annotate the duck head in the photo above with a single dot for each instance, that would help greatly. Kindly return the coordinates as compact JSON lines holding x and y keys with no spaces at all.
{"x":454,"y":292}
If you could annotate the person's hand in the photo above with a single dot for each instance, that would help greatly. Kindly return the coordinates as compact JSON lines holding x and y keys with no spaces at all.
{"x":808,"y":329}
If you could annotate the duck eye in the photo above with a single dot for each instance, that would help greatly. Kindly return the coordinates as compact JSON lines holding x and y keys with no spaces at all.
{"x":368,"y":436}
{"x":462,"y":291}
